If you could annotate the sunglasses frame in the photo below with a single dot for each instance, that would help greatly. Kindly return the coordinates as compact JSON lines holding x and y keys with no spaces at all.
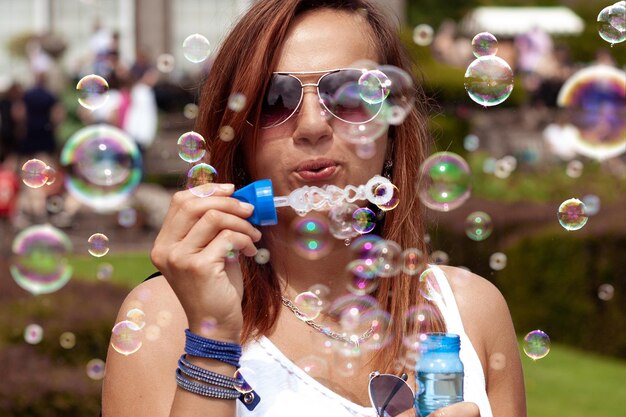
{"x":401,"y":379}
{"x":324,"y":73}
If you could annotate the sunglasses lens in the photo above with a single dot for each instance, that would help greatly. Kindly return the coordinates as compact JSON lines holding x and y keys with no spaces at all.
{"x":390,"y":395}
{"x":281,"y":100}
{"x":343,"y":97}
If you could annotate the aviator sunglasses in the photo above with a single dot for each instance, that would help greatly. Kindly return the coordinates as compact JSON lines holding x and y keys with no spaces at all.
{"x":390,"y":395}
{"x":338,"y":90}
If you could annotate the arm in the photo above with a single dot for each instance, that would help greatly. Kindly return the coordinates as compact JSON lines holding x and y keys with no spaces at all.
{"x":488,"y":324}
{"x":197,"y":284}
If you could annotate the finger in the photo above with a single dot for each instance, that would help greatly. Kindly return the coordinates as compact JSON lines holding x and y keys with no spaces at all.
{"x":211,"y":223}
{"x":228,"y":241}
{"x":181,"y":198}
{"x":462,"y":409}
{"x":192,"y":210}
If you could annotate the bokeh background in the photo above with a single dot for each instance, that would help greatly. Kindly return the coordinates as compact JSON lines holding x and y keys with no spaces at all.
{"x":524,"y":162}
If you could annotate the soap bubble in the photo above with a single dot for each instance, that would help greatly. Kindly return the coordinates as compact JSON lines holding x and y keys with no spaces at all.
{"x":606,"y":292}
{"x":95,"y":369}
{"x":93,"y":91}
{"x":373,"y":86}
{"x":36,"y":173}
{"x":67,"y":340}
{"x":484,"y":44}
{"x":351,"y":310}
{"x":309,"y":304}
{"x":311,"y":237}
{"x":536,"y":345}
{"x":262,"y":256}
{"x":127,"y":217}
{"x":313,"y":365}
{"x":366,"y":150}
{"x":103,"y":166}
{"x":429,"y":286}
{"x":445,"y":181}
{"x":227,"y":133}
{"x":362,"y":133}
{"x":341,"y":221}
{"x":363,"y":280}
{"x":572,"y":214}
{"x":439,"y":257}
{"x":596,"y":99}
{"x":126,"y":337}
{"x":200,"y":180}
{"x":592,"y":204}
{"x":574,"y":169}
{"x":478,"y":226}
{"x":196,"y":48}
{"x":417,"y":320}
{"x":236,"y":102}
{"x":55,"y":204}
{"x":379,"y":320}
{"x":191,"y":147}
{"x":413,"y":261}
{"x":165,"y":63}
{"x":471,"y":143}
{"x":612,"y":23}
{"x":98,"y":245}
{"x":389,"y":193}
{"x":401,"y":96}
{"x":104,"y":272}
{"x":489,"y":80}
{"x":364,"y":220}
{"x":387,"y":256}
{"x":33,"y":334}
{"x":137,"y":316}
{"x":497,"y":261}
{"x":39,"y":263}
{"x":423,"y":35}
{"x":190,"y":111}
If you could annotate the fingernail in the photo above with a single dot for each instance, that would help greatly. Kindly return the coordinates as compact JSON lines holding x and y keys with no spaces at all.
{"x":247,"y":206}
{"x":227,"y":187}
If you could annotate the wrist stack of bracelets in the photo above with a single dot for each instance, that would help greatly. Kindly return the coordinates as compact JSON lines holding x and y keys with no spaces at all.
{"x":201,"y":381}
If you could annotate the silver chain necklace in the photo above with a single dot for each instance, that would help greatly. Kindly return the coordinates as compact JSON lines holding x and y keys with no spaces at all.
{"x":354,"y":340}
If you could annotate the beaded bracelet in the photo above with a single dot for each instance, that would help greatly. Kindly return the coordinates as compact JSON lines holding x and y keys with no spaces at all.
{"x":204,"y":375}
{"x":205,"y":390}
{"x":213,"y":349}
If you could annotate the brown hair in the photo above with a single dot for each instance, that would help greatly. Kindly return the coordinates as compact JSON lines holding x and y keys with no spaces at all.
{"x":244,"y":64}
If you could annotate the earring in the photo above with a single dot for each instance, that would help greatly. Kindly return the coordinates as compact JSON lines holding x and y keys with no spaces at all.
{"x":388,"y":169}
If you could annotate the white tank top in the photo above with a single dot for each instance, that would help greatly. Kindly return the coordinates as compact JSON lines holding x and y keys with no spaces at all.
{"x":286,"y":390}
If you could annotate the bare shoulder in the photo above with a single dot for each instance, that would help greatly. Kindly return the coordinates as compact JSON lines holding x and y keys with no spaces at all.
{"x":129,"y":376}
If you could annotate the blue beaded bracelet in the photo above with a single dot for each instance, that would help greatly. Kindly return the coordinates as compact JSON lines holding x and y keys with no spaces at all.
{"x":210,"y":377}
{"x":205,"y":390}
{"x":213,"y":349}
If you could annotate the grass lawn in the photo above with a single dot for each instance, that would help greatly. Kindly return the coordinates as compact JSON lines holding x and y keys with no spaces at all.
{"x":129,"y":269}
{"x":574,"y":383}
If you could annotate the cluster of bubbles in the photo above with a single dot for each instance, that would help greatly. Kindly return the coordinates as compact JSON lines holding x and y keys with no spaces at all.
{"x":572,"y":214}
{"x":103,"y":167}
{"x":488,"y":79}
{"x":536,"y":344}
{"x":445,"y":181}
{"x":596,"y":99}
{"x":612,"y":23}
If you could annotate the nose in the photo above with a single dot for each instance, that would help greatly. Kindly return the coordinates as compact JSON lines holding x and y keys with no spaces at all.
{"x":312,"y":127}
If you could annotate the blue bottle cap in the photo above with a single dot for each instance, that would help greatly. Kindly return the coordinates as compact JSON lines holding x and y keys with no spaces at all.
{"x":261,"y":195}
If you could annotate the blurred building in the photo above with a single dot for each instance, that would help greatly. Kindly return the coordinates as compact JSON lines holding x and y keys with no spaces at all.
{"x":154,"y":26}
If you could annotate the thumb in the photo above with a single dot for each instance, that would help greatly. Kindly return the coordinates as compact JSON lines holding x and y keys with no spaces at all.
{"x":462,"y":409}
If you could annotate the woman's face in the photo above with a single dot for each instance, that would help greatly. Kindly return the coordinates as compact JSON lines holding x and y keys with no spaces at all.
{"x":287,"y":154}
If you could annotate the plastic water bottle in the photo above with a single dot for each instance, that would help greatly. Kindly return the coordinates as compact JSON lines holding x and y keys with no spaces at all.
{"x":439,"y":373}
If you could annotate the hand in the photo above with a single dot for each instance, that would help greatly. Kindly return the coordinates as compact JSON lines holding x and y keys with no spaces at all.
{"x":191,"y":251}
{"x":462,"y":409}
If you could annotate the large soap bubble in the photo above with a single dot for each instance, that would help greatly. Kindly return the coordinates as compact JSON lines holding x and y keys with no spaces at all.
{"x":445,"y":181}
{"x":596,"y":98}
{"x":489,"y":80}
{"x":103,"y":166}
{"x":39,"y":263}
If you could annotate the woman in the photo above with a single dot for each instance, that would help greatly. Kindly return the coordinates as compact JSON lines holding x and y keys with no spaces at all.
{"x":236,"y":300}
